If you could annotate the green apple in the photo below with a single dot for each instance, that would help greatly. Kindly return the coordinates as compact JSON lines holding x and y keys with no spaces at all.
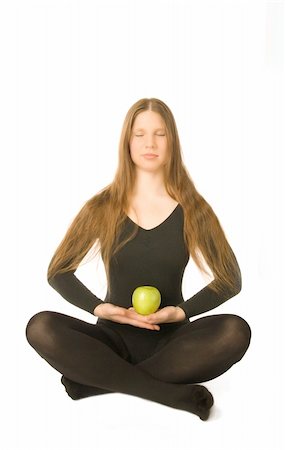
{"x":146,"y":299}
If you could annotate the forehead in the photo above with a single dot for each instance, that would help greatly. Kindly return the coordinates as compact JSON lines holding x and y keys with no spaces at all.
{"x":148,"y":120}
{"x":142,"y":129}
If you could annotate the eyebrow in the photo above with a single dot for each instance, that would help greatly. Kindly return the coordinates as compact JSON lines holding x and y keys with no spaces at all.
{"x":142,"y":129}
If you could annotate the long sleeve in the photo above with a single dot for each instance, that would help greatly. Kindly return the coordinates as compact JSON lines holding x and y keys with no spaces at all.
{"x":206,"y":299}
{"x":74,"y":291}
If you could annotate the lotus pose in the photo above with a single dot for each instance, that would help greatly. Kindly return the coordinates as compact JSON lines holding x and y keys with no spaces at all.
{"x":146,"y":224}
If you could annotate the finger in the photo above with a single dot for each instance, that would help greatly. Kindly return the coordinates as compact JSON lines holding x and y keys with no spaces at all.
{"x":135,"y":315}
{"x":153,"y":319}
{"x":136,"y":319}
{"x":139,"y":323}
{"x":145,"y":325}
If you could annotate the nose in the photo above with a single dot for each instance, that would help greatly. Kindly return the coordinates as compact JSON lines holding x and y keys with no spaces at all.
{"x":149,"y":143}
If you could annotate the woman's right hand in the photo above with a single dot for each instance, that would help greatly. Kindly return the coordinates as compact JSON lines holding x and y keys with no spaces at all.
{"x":122,"y":315}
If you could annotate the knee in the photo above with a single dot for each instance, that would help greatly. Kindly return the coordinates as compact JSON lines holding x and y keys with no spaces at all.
{"x":238,"y":332}
{"x":38,"y":326}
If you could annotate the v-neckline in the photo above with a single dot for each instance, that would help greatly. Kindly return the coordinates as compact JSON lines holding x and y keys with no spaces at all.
{"x":157,"y":226}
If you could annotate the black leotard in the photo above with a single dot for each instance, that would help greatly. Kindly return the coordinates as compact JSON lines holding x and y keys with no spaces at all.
{"x":109,"y":356}
{"x":155,"y":257}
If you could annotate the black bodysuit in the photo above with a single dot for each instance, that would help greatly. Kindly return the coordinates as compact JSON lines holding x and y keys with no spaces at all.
{"x":155,"y":257}
{"x":159,"y":365}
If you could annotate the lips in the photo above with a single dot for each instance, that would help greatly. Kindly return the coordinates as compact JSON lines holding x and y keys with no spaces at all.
{"x":150,"y":154}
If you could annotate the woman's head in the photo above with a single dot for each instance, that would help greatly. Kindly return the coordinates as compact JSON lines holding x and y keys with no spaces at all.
{"x":102,"y":217}
{"x":149,"y":127}
{"x":148,"y":136}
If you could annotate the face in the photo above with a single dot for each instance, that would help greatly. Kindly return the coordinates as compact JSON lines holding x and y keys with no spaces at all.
{"x":149,"y":136}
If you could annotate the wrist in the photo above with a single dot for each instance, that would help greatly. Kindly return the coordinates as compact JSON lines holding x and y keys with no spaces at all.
{"x":180,"y":313}
{"x":97,"y":309}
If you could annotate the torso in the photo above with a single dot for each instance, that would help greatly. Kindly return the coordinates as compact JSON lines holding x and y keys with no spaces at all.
{"x":150,"y":214}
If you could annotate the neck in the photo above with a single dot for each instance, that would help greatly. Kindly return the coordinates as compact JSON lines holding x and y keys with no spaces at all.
{"x":149,"y":184}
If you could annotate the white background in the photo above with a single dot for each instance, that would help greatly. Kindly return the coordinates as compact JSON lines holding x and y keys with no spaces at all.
{"x":70,"y":70}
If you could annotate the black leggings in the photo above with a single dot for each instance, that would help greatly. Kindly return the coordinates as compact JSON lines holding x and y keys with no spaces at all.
{"x":159,"y":365}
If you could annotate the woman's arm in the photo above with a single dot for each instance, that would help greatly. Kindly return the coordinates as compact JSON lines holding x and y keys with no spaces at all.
{"x":75,"y":292}
{"x":71,"y":288}
{"x":207,"y":299}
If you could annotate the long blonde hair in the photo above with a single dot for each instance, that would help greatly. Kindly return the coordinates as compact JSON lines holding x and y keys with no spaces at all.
{"x":99,"y":222}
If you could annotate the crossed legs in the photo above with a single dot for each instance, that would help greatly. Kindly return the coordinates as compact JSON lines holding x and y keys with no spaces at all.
{"x":201,"y":350}
{"x":198,"y":351}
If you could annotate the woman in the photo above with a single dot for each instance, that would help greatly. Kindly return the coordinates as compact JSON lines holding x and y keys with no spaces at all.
{"x":147,"y":222}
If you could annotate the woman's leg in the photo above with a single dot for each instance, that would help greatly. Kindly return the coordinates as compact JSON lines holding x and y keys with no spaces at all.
{"x":219,"y":341}
{"x":200,"y":350}
{"x":76,"y":391}
{"x":74,"y":348}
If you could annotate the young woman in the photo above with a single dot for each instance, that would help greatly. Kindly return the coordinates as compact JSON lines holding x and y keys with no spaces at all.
{"x":146,"y":223}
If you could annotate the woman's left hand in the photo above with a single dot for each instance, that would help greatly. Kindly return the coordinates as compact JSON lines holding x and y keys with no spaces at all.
{"x":164,"y":315}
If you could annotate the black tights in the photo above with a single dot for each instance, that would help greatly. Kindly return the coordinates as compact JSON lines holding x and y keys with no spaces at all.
{"x":161,"y":366}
